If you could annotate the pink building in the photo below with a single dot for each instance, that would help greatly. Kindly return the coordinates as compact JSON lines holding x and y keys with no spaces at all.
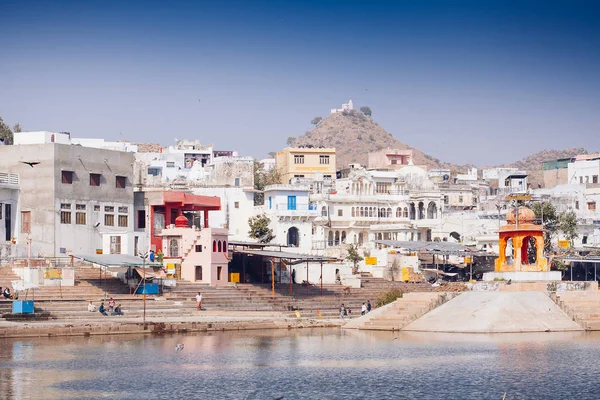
{"x":194,"y":254}
{"x":389,"y":159}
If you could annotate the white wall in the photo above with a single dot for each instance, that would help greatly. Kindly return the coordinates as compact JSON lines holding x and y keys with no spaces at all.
{"x":584,"y":171}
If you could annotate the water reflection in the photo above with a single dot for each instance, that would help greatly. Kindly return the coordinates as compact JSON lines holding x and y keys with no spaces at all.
{"x":304,"y":364}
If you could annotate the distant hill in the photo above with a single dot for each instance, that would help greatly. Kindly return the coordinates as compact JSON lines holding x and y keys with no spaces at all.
{"x":533,"y":163}
{"x":354,"y":135}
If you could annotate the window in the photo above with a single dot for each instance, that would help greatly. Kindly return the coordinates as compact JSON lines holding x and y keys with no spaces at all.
{"x":120,"y":182}
{"x":170,"y":164}
{"x":577,"y":204}
{"x":174,"y":247}
{"x":65,"y":206}
{"x":219,"y":246}
{"x":340,"y":213}
{"x":581,"y":179}
{"x":66,"y":177}
{"x":291,"y":203}
{"x":109,"y":209}
{"x":236,"y":204}
{"x":394,"y":162}
{"x":80,"y":207}
{"x":96,"y":207}
{"x":214,"y":246}
{"x":115,"y":245}
{"x":123,"y":221}
{"x":323,"y":159}
{"x":323,"y":211}
{"x":123,"y":210}
{"x":591,"y":205}
{"x":80,"y":218}
{"x":198,"y":248}
{"x":25,"y":221}
{"x":595,"y":179}
{"x":270,"y":202}
{"x":65,"y":217}
{"x":445,"y":199}
{"x":298,"y":159}
{"x":154,"y":171}
{"x":353,"y":212}
{"x":109,"y":220}
{"x":236,"y":182}
{"x":94,"y":179}
{"x":219,"y":273}
{"x":224,"y":246}
{"x":141,"y":222}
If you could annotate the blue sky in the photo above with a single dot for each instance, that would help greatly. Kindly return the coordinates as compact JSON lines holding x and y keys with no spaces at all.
{"x":484,"y":82}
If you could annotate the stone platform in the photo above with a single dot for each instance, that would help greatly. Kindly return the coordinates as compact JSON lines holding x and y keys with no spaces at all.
{"x":496,"y":312}
{"x":523,"y":276}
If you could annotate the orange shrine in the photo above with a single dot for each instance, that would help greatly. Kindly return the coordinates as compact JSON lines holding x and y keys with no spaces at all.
{"x":527,"y":242}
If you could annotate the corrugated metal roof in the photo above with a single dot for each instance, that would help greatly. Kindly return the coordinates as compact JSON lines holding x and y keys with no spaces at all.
{"x":116,"y":260}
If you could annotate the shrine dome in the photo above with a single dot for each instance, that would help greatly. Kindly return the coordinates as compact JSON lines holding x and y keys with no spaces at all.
{"x":181,"y":222}
{"x":526,"y":216}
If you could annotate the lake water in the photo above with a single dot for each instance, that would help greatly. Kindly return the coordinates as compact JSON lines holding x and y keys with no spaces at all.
{"x":304,"y":364}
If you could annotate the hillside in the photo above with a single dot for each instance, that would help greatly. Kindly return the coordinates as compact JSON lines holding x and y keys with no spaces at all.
{"x":533,"y":163}
{"x":354,"y":135}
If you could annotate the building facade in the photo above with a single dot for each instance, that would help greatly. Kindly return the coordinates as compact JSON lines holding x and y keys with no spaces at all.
{"x":304,"y":162}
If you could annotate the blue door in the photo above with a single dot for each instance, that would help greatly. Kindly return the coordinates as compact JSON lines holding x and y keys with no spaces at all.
{"x":291,"y":202}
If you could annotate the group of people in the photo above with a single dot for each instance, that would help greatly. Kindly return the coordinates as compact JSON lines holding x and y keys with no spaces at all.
{"x":7,"y":295}
{"x":346,"y":312}
{"x":113,"y":308}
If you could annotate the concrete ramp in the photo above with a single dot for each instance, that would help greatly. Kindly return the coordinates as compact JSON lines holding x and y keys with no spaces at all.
{"x":496,"y":312}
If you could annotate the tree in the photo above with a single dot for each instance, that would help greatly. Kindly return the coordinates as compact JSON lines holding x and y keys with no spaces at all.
{"x":259,"y":228}
{"x":394,"y":268}
{"x":264,"y":178}
{"x":290,"y":140}
{"x":546,"y":214}
{"x":17,"y":128}
{"x":366,"y":110}
{"x":5,"y":133}
{"x":568,"y":225}
{"x":353,"y":255}
{"x":316,"y":121}
{"x":272,"y":154}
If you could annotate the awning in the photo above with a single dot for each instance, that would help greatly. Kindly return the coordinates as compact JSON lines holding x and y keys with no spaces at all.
{"x":150,"y":273}
{"x":117,"y":260}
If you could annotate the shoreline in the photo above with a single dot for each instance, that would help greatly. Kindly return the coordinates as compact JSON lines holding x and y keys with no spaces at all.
{"x":209,"y":322}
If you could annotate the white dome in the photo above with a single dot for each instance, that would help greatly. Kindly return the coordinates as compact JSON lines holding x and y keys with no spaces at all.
{"x":415,"y":177}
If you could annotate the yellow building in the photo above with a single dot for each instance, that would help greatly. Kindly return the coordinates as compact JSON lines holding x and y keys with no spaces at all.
{"x":304,"y":162}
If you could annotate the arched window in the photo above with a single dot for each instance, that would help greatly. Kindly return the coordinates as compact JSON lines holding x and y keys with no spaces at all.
{"x":337,"y":238}
{"x":343,"y":236}
{"x":398,"y":212}
{"x":224,"y":246}
{"x":353,"y":211}
{"x":219,"y":246}
{"x":431,"y":210}
{"x":330,"y":238}
{"x":405,"y":212}
{"x":370,"y":211}
{"x":323,"y":211}
{"x":389,"y":213}
{"x":362,"y":211}
{"x":360,"y":239}
{"x":214,"y":246}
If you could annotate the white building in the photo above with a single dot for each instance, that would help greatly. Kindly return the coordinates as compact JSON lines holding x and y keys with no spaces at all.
{"x":292,"y":215}
{"x":9,"y":214}
{"x":345,"y":107}
{"x":585,"y":169}
{"x":470,"y":176}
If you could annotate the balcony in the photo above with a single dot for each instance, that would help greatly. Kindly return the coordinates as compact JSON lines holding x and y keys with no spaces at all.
{"x":9,"y":181}
{"x":299,"y":210}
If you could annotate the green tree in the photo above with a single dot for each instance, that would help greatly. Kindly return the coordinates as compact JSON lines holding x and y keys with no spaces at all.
{"x":366,"y":110}
{"x":264,"y":178}
{"x":290,"y":140}
{"x":272,"y":154}
{"x":316,"y":121}
{"x":353,"y":255}
{"x":547,"y":216}
{"x":568,"y":225}
{"x":5,"y":133}
{"x":17,"y":128}
{"x":259,"y":228}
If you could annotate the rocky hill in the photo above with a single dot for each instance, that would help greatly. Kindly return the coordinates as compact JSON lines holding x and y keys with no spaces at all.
{"x":354,"y":135}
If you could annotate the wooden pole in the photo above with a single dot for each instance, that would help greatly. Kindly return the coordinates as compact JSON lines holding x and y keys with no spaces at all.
{"x":272,"y":278}
{"x":307,"y":278}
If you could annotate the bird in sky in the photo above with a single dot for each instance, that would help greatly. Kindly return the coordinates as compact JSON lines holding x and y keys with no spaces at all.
{"x":31,"y":163}
{"x":179,"y":347}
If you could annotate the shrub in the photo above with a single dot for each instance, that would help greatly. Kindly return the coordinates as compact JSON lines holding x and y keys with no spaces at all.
{"x":389,"y":297}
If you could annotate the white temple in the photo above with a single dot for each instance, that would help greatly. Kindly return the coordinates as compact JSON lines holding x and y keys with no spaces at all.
{"x":345,"y":107}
